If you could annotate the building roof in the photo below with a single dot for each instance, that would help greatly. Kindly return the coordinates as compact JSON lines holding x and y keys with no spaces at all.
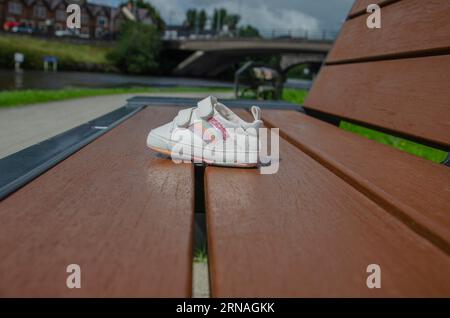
{"x":97,"y":9}
{"x":127,"y":13}
{"x":53,"y":4}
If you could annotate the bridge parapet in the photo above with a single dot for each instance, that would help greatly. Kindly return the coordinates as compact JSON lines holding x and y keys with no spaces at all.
{"x":180,"y":33}
{"x":240,"y":44}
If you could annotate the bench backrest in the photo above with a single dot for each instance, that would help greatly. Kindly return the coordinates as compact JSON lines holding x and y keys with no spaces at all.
{"x":396,"y":78}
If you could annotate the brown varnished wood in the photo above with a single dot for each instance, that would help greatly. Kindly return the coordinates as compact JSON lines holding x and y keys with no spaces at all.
{"x":360,"y":6}
{"x":305,"y":232}
{"x":121,"y":212}
{"x":415,"y":190}
{"x":409,"y":96}
{"x":408,"y":28}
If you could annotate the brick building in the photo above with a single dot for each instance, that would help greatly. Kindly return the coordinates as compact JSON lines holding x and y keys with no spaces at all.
{"x":48,"y":16}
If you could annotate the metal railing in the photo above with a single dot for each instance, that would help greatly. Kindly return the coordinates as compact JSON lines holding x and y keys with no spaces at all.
{"x":298,"y":34}
{"x":316,"y":35}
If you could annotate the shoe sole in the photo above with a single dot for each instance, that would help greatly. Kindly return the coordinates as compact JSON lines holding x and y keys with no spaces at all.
{"x":204,"y":160}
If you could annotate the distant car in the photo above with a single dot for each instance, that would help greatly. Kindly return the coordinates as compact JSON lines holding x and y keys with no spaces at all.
{"x":83,"y":35}
{"x":22,"y":29}
{"x":105,"y":36}
{"x":65,"y":33}
{"x":8,"y":25}
{"x":71,"y":33}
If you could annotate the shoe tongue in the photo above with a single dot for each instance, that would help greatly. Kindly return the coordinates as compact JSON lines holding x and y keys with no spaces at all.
{"x":225,"y":112}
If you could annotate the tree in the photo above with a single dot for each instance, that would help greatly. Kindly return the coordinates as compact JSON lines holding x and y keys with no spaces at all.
{"x":202,"y":18}
{"x":232,"y":20}
{"x":215,"y":20}
{"x":219,"y":17}
{"x":191,"y":18}
{"x":153,"y":13}
{"x":138,"y":48}
{"x":248,"y":32}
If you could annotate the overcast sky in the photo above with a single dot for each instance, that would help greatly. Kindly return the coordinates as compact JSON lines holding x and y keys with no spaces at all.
{"x":264,"y":14}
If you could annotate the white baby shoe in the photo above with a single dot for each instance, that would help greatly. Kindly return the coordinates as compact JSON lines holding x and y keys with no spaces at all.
{"x":209,"y":133}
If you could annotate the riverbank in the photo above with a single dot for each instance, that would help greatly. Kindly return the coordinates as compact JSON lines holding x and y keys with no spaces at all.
{"x":71,"y":56}
{"x":38,"y":79}
{"x":34,"y":96}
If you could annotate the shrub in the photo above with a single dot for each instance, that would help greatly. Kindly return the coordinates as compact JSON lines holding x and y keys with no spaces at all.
{"x":137,"y":50}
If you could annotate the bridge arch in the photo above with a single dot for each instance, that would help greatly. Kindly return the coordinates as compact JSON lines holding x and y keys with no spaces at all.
{"x":289,"y":61}
{"x":209,"y":58}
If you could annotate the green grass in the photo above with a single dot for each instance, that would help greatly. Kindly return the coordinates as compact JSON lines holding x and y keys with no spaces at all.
{"x":201,"y":255}
{"x":436,"y":155}
{"x":25,"y":97}
{"x":296,"y":96}
{"x":396,"y":142}
{"x":71,"y":56}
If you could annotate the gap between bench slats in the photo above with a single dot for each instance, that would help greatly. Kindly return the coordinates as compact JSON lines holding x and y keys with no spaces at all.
{"x":115,"y":208}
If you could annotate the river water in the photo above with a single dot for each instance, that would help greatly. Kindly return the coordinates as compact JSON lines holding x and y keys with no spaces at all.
{"x":11,"y":80}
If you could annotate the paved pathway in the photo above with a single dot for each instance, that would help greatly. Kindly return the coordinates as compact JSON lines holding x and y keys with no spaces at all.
{"x":200,"y":288}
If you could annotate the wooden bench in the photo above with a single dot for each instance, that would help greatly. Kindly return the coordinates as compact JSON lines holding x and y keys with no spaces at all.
{"x":338,"y":203}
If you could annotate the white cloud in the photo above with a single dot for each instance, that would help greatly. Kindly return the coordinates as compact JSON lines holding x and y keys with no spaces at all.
{"x":264,"y":14}
{"x":263,"y":17}
{"x":172,"y":11}
{"x":266,"y":18}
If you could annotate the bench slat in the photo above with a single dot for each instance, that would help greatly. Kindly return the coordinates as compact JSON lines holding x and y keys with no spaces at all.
{"x":360,"y":6}
{"x":414,"y":189}
{"x":408,"y":96}
{"x":408,"y":27}
{"x":116,"y":209}
{"x":306,"y":232}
